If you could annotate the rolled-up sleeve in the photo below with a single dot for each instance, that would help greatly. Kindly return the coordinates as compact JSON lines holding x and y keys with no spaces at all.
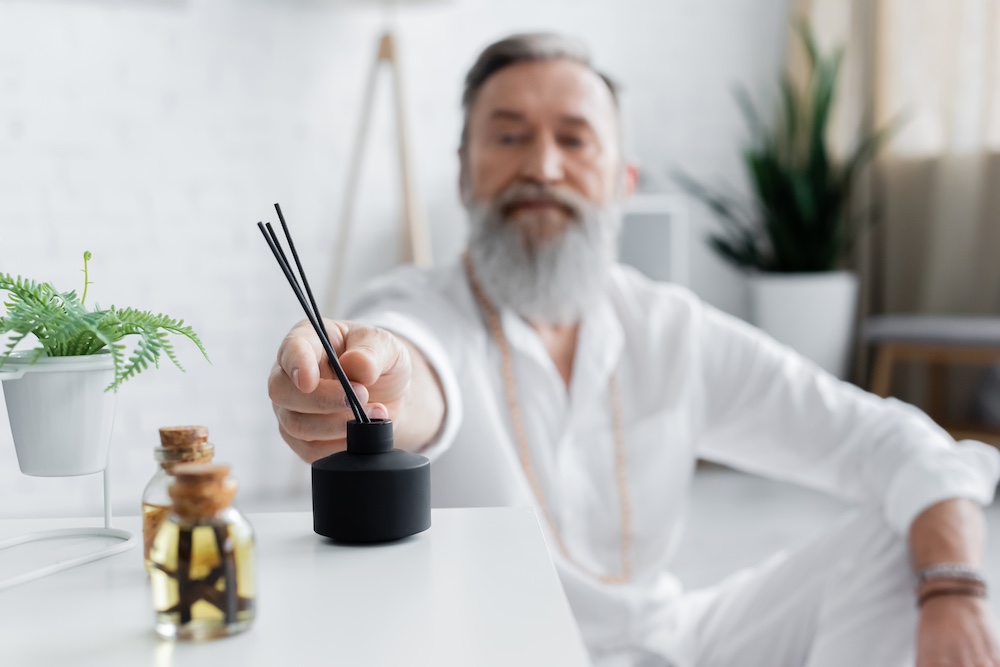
{"x":967,"y":469}
{"x":769,"y":411}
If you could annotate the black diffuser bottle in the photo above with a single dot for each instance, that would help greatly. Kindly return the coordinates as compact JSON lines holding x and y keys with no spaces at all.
{"x":371,"y":492}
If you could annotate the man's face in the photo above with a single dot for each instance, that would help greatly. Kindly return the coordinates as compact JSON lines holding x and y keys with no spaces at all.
{"x":551,"y":124}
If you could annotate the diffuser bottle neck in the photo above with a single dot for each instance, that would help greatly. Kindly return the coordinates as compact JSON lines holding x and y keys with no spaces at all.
{"x":374,"y":437}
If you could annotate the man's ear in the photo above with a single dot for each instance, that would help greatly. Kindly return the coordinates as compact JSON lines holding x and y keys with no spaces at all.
{"x":463,"y":173}
{"x":630,"y":179}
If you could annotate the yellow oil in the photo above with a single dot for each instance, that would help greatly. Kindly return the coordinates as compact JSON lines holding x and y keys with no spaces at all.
{"x":152,"y":517}
{"x":203,"y":589}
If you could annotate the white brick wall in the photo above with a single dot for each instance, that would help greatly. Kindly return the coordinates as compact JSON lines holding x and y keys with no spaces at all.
{"x":156,"y":133}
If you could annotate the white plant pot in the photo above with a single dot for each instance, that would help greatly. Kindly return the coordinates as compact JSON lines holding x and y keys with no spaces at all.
{"x":60,"y":416}
{"x":812,"y":313}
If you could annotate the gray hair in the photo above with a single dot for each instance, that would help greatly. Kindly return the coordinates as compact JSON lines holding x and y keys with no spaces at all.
{"x":525,"y":48}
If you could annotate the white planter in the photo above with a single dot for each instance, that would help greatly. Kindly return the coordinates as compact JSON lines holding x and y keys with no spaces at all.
{"x":60,"y":416}
{"x":813,"y":313}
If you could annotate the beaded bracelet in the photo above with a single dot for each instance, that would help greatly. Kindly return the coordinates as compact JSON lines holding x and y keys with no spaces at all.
{"x":977,"y":591}
{"x":951,"y":572}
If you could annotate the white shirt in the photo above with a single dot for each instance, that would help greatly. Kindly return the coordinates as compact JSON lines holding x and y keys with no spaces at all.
{"x":693,"y":383}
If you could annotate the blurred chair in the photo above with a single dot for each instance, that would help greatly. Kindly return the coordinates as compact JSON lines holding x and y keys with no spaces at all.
{"x":939,"y":342}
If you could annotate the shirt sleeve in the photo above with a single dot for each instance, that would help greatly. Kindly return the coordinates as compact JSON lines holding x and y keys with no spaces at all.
{"x":770,"y":411}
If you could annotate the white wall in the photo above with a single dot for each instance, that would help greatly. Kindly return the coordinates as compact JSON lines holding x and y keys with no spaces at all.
{"x":156,"y":133}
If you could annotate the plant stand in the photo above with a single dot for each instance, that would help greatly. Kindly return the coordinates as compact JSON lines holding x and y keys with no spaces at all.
{"x":75,"y":366}
{"x":128,"y":540}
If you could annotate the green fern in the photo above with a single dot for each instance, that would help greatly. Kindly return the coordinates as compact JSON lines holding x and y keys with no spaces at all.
{"x":65,"y":327}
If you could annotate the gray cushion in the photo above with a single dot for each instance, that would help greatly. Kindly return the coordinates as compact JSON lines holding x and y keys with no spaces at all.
{"x":950,"y":329}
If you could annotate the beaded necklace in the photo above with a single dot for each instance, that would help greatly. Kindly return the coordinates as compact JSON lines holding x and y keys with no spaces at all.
{"x":493,"y":324}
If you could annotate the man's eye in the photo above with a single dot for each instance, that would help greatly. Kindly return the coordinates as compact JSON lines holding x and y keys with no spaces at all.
{"x":570,"y":141}
{"x":509,"y":139}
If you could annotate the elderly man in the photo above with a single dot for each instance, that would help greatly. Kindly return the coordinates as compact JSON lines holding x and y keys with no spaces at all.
{"x":536,"y":370}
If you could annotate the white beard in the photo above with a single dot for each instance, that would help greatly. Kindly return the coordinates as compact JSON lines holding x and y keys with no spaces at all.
{"x":552,"y":282}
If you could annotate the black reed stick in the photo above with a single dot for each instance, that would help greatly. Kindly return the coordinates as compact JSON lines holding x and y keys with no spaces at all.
{"x":314,"y":320}
{"x":295,"y":256}
{"x":275,"y":245}
{"x":302,"y":274}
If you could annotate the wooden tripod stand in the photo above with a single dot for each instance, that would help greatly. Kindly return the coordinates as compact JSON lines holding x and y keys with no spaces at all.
{"x":415,"y":233}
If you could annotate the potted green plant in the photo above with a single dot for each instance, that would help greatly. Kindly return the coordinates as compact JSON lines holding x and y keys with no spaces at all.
{"x":793,"y":238}
{"x":61,"y":394}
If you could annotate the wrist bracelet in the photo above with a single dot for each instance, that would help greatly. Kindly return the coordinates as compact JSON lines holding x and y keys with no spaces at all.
{"x":966,"y":591}
{"x":952,"y":572}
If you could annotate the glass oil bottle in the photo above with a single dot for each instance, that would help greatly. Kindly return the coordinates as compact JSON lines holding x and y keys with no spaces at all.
{"x":178,"y":444}
{"x":203,"y":569}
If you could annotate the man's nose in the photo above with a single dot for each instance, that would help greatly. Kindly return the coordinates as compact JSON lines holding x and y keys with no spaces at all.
{"x":543,"y":162}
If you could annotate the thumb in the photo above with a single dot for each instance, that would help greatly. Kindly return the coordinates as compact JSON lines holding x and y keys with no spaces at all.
{"x":371,"y":353}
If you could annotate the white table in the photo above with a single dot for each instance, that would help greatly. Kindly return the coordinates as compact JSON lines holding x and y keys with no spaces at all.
{"x":477,"y":589}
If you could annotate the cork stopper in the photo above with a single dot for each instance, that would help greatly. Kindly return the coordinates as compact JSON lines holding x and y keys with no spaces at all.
{"x":183,"y":437}
{"x":181,"y":444}
{"x":201,"y":490}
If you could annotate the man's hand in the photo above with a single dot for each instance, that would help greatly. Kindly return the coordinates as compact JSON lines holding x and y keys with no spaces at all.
{"x":308,"y":399}
{"x":956,"y":631}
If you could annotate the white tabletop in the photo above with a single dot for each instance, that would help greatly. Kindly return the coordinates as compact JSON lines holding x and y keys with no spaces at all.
{"x":478,"y":588}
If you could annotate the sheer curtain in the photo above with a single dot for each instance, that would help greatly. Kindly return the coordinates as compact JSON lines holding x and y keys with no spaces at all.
{"x":934,"y":240}
{"x":935,"y":243}
{"x":940,"y":61}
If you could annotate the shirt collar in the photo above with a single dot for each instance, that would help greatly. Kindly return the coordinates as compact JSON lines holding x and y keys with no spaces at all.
{"x":600,"y":344}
